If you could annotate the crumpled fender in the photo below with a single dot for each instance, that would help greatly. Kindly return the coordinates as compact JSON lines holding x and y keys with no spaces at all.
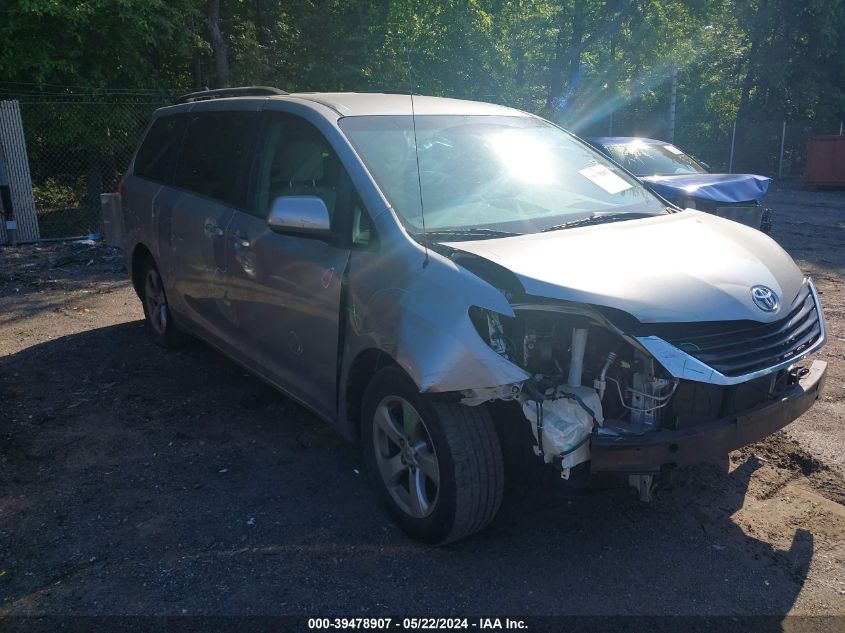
{"x":420,"y":316}
{"x":440,"y":347}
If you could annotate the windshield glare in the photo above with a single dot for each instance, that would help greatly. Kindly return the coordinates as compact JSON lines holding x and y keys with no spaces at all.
{"x":653,"y":159}
{"x":510,"y":174}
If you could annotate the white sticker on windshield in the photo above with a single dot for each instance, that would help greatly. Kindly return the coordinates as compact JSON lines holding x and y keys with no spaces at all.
{"x":673,"y":149}
{"x":604,"y":178}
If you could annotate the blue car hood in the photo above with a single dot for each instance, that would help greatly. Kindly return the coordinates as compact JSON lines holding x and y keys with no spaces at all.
{"x":716,"y":187}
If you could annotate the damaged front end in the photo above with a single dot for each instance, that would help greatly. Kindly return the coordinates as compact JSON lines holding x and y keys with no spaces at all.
{"x":643,"y":399}
{"x":586,"y":377}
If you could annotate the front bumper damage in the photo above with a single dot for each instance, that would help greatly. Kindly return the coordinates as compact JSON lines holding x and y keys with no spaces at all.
{"x":640,"y":405}
{"x":644,"y":389}
{"x":660,"y":450}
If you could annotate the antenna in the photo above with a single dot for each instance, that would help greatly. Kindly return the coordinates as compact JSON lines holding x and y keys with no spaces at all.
{"x":417,"y":155}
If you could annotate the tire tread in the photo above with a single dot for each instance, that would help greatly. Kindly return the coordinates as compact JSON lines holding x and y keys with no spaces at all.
{"x":471,"y":441}
{"x":478,"y":459}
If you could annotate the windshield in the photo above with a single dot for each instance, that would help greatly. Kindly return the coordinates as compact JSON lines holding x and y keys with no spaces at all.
{"x":653,"y":159}
{"x":491,"y":175}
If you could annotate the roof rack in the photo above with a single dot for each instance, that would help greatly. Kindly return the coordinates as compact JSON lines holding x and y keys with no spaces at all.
{"x":220,"y":93}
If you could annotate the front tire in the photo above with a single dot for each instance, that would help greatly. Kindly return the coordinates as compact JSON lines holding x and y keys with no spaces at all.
{"x":157,"y":313}
{"x":438,"y":465}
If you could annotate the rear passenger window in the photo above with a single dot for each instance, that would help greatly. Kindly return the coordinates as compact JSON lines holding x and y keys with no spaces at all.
{"x":157,"y":154}
{"x":216,"y":155}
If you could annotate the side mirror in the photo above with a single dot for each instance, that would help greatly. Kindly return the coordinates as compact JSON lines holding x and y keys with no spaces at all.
{"x":306,"y":216}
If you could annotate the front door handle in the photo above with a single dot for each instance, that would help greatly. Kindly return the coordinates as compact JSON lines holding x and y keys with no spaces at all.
{"x":212,"y":229}
{"x":241,"y":244}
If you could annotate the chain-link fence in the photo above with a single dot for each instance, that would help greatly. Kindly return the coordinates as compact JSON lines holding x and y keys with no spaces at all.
{"x":772,"y":148}
{"x":79,"y":148}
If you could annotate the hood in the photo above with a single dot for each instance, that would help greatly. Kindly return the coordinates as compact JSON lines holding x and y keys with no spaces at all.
{"x":716,"y":187}
{"x":680,"y":267}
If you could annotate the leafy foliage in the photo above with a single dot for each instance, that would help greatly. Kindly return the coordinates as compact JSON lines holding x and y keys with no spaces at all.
{"x":591,"y":64}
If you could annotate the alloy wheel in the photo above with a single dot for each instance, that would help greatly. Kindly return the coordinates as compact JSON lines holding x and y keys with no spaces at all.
{"x":156,"y":301}
{"x":405,"y":457}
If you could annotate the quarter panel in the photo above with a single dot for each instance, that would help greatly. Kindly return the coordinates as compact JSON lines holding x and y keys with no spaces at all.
{"x":138,"y":197}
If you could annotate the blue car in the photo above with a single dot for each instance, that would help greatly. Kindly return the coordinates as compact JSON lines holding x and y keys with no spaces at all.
{"x":686,"y":182}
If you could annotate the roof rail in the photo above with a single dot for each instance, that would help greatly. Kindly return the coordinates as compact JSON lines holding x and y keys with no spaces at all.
{"x":220,"y":93}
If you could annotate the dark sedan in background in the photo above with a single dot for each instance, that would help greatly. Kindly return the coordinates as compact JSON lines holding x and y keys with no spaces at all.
{"x":686,"y":182}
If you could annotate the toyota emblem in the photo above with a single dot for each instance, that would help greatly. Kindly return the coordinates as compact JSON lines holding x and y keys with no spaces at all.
{"x":765,"y":298}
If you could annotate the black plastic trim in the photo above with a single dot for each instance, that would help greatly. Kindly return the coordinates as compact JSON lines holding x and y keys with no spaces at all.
{"x":661,"y":450}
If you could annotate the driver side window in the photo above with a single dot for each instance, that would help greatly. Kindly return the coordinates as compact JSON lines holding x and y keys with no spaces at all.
{"x":297,"y":160}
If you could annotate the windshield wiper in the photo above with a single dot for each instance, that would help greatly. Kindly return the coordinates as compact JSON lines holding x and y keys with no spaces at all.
{"x":467,"y":233}
{"x":599,"y":217}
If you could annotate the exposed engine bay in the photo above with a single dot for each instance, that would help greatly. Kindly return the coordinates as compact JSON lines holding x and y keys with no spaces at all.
{"x":644,"y":396}
{"x":588,"y":379}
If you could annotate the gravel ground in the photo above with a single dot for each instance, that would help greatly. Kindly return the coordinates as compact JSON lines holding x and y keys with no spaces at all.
{"x":811,"y":226}
{"x":139,"y":481}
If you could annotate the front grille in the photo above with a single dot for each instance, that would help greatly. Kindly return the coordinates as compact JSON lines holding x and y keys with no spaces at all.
{"x":736,"y":348}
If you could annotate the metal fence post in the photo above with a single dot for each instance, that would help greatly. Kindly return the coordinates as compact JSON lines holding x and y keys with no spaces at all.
{"x":780,"y":160}
{"x":672,"y":102}
{"x":23,"y":218}
{"x":733,"y":140}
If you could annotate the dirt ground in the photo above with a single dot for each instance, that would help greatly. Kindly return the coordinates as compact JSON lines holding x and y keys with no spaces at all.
{"x":139,"y":481}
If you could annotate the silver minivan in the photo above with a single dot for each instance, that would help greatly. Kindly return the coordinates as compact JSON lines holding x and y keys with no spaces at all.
{"x":464,"y":288}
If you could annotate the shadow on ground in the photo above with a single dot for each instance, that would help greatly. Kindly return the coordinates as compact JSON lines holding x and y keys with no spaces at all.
{"x":139,"y":481}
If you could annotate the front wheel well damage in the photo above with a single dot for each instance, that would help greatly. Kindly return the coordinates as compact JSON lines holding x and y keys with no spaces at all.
{"x":361,"y":371}
{"x":514,"y":439}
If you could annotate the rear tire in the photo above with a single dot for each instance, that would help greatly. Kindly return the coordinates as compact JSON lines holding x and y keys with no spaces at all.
{"x":438,"y":465}
{"x":159,"y":318}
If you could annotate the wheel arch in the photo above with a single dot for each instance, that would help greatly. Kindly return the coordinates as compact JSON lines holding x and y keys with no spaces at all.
{"x":358,"y":375}
{"x":139,"y":254}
